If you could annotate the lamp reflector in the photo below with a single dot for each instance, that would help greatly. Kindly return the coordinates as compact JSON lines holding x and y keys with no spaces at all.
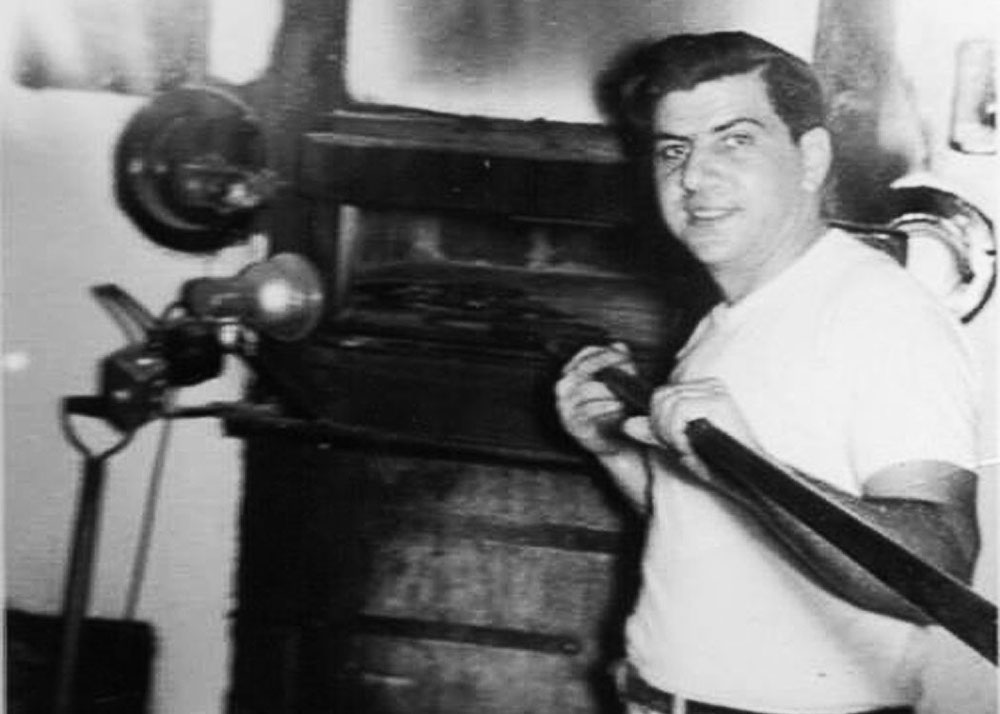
{"x":281,"y":297}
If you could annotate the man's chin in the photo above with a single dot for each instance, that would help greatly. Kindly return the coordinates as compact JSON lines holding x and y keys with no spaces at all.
{"x":707,"y":244}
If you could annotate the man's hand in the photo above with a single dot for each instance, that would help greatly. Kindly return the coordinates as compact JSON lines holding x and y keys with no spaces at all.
{"x":589,"y":412}
{"x":673,"y":406}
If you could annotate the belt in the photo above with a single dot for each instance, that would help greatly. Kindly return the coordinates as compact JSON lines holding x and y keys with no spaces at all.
{"x":638,"y":691}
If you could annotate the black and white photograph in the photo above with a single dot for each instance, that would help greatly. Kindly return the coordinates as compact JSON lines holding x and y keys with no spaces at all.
{"x":499,"y":356}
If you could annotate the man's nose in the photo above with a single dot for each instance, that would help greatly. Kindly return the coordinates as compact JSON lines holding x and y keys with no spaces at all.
{"x":699,"y":167}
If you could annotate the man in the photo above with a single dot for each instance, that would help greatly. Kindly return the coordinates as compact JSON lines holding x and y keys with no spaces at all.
{"x":825,"y":357}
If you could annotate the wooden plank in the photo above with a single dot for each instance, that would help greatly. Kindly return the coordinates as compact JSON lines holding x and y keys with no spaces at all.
{"x":424,"y":677}
{"x":540,"y":140}
{"x":394,"y":173}
{"x":392,"y":583}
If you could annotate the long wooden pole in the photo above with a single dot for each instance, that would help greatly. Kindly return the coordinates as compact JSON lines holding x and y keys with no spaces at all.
{"x":944,"y":599}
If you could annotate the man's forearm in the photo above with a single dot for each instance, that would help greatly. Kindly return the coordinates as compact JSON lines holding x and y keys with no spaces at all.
{"x":935,"y":532}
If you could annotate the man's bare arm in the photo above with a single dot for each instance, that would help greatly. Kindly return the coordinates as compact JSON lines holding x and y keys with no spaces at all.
{"x":929,"y":507}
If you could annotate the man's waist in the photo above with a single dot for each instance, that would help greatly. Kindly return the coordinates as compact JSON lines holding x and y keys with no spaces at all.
{"x":771,"y":639}
{"x":635,"y":690}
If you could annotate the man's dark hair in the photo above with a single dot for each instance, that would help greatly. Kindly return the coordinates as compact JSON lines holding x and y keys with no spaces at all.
{"x":681,"y":62}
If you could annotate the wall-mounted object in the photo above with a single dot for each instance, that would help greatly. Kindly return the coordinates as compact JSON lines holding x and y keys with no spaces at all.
{"x":951,"y":247}
{"x":974,"y":106}
{"x":190,"y":169}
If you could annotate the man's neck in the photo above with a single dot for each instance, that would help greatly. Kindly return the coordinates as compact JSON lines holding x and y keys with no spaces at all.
{"x":737,"y":282}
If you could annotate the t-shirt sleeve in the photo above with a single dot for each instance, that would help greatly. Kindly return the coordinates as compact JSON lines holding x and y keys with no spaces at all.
{"x":910,"y":380}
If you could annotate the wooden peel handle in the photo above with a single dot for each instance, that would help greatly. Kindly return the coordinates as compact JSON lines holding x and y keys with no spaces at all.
{"x":946,"y":600}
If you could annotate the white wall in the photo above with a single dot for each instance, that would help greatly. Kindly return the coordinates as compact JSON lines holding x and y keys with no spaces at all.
{"x":61,"y":234}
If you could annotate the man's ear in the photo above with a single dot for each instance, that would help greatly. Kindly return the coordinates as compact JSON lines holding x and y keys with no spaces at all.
{"x":817,"y":155}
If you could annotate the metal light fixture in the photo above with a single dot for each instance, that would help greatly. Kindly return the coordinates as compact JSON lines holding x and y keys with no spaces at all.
{"x":190,"y":169}
{"x":190,"y":173}
{"x":281,"y":297}
{"x":950,"y":246}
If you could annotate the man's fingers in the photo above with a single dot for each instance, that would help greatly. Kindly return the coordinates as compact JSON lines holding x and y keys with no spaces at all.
{"x":593,"y":358}
{"x":582,"y":357}
{"x":694,"y":388}
{"x":638,"y":429}
{"x":599,"y":411}
{"x":584,"y":399}
{"x":674,"y":406}
{"x":575,"y":388}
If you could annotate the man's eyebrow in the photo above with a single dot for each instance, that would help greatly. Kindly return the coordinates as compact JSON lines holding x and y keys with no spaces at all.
{"x":725,"y":126}
{"x":667,"y":136}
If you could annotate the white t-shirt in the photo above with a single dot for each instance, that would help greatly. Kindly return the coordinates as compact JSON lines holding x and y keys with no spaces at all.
{"x":842,"y":365}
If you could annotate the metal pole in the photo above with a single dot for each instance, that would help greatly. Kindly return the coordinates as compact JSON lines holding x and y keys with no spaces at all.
{"x":83,"y":546}
{"x":79,"y":575}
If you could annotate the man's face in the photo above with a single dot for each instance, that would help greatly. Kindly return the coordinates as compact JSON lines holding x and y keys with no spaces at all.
{"x":732,"y":184}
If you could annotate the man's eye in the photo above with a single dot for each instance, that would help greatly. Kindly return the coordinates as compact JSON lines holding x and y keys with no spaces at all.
{"x":672,"y":154}
{"x":735,"y":141}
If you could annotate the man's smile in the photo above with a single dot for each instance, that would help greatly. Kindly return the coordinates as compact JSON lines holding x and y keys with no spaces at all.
{"x":709,"y":214}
